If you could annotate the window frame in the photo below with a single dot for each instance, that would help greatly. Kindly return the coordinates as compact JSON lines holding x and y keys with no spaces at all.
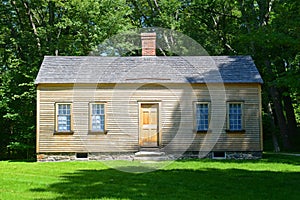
{"x":242,"y":130}
{"x":63,"y":132}
{"x":91,"y":131}
{"x":195,"y":116}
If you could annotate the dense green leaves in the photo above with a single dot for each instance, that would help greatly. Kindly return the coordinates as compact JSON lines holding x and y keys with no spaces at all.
{"x":31,"y":29}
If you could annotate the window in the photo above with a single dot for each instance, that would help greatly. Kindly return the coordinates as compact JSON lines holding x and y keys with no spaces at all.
{"x":97,"y":117}
{"x":202,"y":116}
{"x":63,"y":118}
{"x":235,"y":116}
{"x":219,"y":155}
{"x":82,"y":155}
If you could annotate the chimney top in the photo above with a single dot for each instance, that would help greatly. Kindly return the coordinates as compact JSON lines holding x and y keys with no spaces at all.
{"x":148,"y":44}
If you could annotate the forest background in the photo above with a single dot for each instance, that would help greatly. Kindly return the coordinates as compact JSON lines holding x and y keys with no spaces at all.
{"x":268,"y":30}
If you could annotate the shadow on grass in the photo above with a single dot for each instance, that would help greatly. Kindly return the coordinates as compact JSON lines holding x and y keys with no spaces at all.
{"x":206,"y":183}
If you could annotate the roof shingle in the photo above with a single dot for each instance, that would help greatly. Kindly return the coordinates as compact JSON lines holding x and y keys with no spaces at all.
{"x":153,"y":69}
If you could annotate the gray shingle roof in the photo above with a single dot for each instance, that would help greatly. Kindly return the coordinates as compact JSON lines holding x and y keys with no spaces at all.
{"x":153,"y":69}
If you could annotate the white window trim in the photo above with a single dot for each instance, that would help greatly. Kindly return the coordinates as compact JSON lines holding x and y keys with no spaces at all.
{"x":56,"y":117}
{"x":242,"y":120}
{"x":195,"y":116}
{"x":91,"y":120}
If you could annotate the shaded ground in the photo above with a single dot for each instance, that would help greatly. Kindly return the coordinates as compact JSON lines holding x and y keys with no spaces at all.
{"x":177,"y":184}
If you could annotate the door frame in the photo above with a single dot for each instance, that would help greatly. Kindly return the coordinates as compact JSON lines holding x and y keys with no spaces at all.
{"x":159,"y":132}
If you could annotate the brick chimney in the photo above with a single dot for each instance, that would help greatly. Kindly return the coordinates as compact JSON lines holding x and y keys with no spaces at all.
{"x":148,"y":44}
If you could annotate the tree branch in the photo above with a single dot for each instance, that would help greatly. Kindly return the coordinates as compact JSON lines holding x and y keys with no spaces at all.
{"x":30,"y":16}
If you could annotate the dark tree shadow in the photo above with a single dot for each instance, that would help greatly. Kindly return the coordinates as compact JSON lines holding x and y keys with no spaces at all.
{"x":205,"y":183}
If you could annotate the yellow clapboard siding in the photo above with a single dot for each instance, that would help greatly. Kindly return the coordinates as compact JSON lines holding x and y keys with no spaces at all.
{"x":122,"y":117}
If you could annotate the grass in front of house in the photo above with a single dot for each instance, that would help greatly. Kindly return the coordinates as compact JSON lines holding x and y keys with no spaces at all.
{"x":273,"y":177}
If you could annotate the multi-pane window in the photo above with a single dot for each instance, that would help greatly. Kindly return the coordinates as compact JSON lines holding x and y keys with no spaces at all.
{"x":235,"y":116}
{"x":98,"y":117}
{"x":202,"y":116}
{"x":63,"y":117}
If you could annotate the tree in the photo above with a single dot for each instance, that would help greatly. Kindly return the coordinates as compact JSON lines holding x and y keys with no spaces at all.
{"x":268,"y":30}
{"x":31,"y":29}
{"x":274,"y":46}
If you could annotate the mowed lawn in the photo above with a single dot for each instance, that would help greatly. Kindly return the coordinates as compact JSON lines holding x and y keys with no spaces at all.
{"x":273,"y":177}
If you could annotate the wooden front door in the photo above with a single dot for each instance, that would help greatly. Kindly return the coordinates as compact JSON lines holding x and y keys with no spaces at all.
{"x":149,"y":136}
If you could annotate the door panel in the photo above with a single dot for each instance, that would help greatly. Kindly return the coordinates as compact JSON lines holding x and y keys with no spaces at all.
{"x":149,"y":125}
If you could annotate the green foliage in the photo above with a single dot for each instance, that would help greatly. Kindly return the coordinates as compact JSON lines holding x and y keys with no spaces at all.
{"x":163,"y":13}
{"x":32,"y":29}
{"x":214,"y":24}
{"x":81,"y":25}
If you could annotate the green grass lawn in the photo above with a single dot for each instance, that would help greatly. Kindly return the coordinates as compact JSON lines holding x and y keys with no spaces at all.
{"x":273,"y":177}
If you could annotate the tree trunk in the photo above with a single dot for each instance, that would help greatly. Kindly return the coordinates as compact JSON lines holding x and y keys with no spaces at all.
{"x":274,"y":136}
{"x":290,"y":116}
{"x":280,"y":118}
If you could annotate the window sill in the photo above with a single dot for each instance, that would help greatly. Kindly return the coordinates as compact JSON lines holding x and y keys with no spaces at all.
{"x":236,"y":131}
{"x":203,"y":131}
{"x":63,"y":132}
{"x":98,"y":132}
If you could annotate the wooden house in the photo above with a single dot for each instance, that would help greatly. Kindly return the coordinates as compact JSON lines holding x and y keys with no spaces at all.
{"x":96,"y":107}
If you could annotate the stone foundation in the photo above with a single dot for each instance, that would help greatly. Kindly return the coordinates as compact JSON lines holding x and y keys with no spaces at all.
{"x":244,"y":155}
{"x":48,"y":157}
{"x":54,"y":157}
{"x":111,"y":156}
{"x":235,"y":155}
